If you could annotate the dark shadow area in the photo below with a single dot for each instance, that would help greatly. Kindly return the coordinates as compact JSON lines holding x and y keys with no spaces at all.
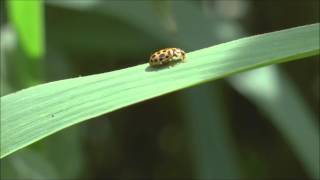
{"x":169,"y":65}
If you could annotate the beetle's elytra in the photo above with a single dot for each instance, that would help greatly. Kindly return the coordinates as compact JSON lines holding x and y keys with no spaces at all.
{"x":167,"y":55}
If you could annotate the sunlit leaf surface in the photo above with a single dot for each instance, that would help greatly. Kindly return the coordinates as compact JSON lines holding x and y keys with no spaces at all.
{"x":34,"y":113}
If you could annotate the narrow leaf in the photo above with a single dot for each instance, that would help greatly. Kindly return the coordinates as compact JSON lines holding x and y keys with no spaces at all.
{"x":27,"y":19}
{"x":278,"y":98}
{"x":34,"y":113}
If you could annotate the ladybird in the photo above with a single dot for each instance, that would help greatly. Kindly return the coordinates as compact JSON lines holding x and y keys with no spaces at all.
{"x":166,"y":56}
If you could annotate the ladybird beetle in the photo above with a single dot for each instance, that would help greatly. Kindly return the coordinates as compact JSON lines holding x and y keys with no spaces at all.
{"x":166,"y":56}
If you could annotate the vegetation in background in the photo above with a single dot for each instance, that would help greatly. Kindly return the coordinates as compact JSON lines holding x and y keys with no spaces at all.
{"x":248,"y":126}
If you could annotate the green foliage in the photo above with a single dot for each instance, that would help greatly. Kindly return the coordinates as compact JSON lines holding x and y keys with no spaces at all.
{"x":27,"y":18}
{"x":279,"y":99}
{"x":34,"y":113}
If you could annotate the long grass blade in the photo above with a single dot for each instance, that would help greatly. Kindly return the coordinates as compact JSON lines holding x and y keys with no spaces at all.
{"x":34,"y":113}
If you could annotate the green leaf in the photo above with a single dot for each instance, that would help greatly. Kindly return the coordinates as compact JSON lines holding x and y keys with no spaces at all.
{"x":27,"y":19}
{"x":26,"y":164}
{"x":214,"y":154}
{"x":34,"y":113}
{"x":278,"y":98}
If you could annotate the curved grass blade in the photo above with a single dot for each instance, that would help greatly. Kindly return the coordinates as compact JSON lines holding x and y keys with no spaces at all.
{"x":273,"y":92}
{"x":27,"y":18}
{"x":34,"y":113}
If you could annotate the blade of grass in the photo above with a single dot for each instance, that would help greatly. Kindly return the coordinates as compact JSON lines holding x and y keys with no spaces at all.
{"x":26,"y":164}
{"x":204,"y":113}
{"x":34,"y":113}
{"x":169,"y":22}
{"x":27,"y":18}
{"x":71,"y":138}
{"x":275,"y":95}
{"x":211,"y":142}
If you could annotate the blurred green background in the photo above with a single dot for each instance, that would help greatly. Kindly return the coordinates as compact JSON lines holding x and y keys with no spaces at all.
{"x":260,"y":124}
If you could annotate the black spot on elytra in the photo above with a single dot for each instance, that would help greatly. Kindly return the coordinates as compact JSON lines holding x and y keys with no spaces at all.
{"x":153,"y":56}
